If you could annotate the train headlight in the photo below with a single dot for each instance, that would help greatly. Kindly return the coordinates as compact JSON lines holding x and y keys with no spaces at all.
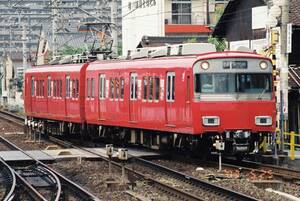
{"x":211,"y":121}
{"x":263,"y":65}
{"x":263,"y":120}
{"x":205,"y":65}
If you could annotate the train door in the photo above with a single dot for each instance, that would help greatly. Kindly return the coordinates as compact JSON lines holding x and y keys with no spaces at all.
{"x":32,"y":94}
{"x":188,"y":117}
{"x":170,"y":99}
{"x":49,"y":89}
{"x":133,"y":103}
{"x":68,"y":94}
{"x":102,"y":95}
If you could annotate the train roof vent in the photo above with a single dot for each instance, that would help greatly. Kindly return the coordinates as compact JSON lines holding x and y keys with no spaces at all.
{"x":160,"y":52}
{"x":139,"y":53}
{"x":192,"y":49}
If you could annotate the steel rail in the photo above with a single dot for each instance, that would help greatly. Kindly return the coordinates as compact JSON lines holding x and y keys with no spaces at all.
{"x":70,"y":184}
{"x":187,"y":178}
{"x":233,"y":195}
{"x":11,"y":193}
{"x":181,"y":195}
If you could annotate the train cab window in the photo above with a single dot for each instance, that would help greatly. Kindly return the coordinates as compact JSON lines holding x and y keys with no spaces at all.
{"x":170,"y":87}
{"x":68,"y":87}
{"x":88,"y":87}
{"x":117,"y":88}
{"x":49,"y":88}
{"x":150,"y":88}
{"x":92,"y":88}
{"x":112,"y":88}
{"x":133,"y":86}
{"x":122,"y":88}
{"x":157,"y":88}
{"x":101,"y":86}
{"x":145,"y":87}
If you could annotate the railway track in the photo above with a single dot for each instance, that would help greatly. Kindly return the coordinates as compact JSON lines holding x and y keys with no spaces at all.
{"x":277,"y":171}
{"x":60,"y":184}
{"x":9,"y":181}
{"x":175,"y":192}
{"x":207,"y":187}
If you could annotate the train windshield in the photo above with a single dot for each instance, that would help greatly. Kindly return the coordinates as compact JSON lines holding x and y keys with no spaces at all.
{"x":233,"y":83}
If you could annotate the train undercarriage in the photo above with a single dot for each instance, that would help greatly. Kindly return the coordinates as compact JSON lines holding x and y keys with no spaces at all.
{"x":237,"y":143}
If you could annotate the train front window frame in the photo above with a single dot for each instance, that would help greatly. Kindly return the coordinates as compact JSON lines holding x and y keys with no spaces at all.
{"x":223,"y":83}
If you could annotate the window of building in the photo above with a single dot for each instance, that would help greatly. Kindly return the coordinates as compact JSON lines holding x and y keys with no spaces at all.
{"x":157,"y":88}
{"x":170,"y":86}
{"x":133,"y":86}
{"x":101,"y":86}
{"x":181,"y":12}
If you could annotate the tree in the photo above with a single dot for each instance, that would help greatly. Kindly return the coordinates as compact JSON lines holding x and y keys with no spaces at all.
{"x":70,"y":50}
{"x":220,"y":43}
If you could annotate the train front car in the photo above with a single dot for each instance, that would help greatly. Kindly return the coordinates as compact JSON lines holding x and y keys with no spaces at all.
{"x":234,"y":101}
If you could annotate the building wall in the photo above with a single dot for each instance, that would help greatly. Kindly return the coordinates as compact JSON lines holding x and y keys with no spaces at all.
{"x":141,"y":20}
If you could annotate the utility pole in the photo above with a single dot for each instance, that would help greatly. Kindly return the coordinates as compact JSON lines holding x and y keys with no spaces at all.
{"x":284,"y":68}
{"x":24,"y":43}
{"x":114,"y":12}
{"x":54,"y":27}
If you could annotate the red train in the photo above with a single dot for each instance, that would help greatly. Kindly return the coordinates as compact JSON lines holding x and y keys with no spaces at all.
{"x":174,"y":101}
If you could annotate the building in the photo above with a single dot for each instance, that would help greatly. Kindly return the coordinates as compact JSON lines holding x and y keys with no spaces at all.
{"x":21,"y":23}
{"x":164,"y":18}
{"x":250,"y":18}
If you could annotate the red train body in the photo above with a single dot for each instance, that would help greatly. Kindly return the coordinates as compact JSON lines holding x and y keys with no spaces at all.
{"x":172,"y":101}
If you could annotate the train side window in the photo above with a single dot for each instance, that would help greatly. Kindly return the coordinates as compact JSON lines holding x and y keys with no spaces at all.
{"x":117,"y":88}
{"x":112,"y":87}
{"x":170,"y":86}
{"x":188,"y":90}
{"x":145,"y":87}
{"x":157,"y":88}
{"x":43,"y":88}
{"x":101,"y":86}
{"x":76,"y":88}
{"x":122,"y":88}
{"x":133,"y":86}
{"x":54,"y":88}
{"x":92,"y":88}
{"x":88,"y":87}
{"x":150,"y":88}
{"x":68,"y":86}
{"x":60,"y":88}
{"x":49,"y":86}
{"x":32,"y":86}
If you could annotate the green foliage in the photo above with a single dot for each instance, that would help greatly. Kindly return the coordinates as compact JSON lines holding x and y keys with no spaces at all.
{"x":191,"y":40}
{"x":220,"y":43}
{"x":70,"y":50}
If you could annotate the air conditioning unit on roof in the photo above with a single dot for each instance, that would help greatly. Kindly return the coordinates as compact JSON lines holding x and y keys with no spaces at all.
{"x":160,"y":51}
{"x":192,"y":49}
{"x":139,"y":53}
